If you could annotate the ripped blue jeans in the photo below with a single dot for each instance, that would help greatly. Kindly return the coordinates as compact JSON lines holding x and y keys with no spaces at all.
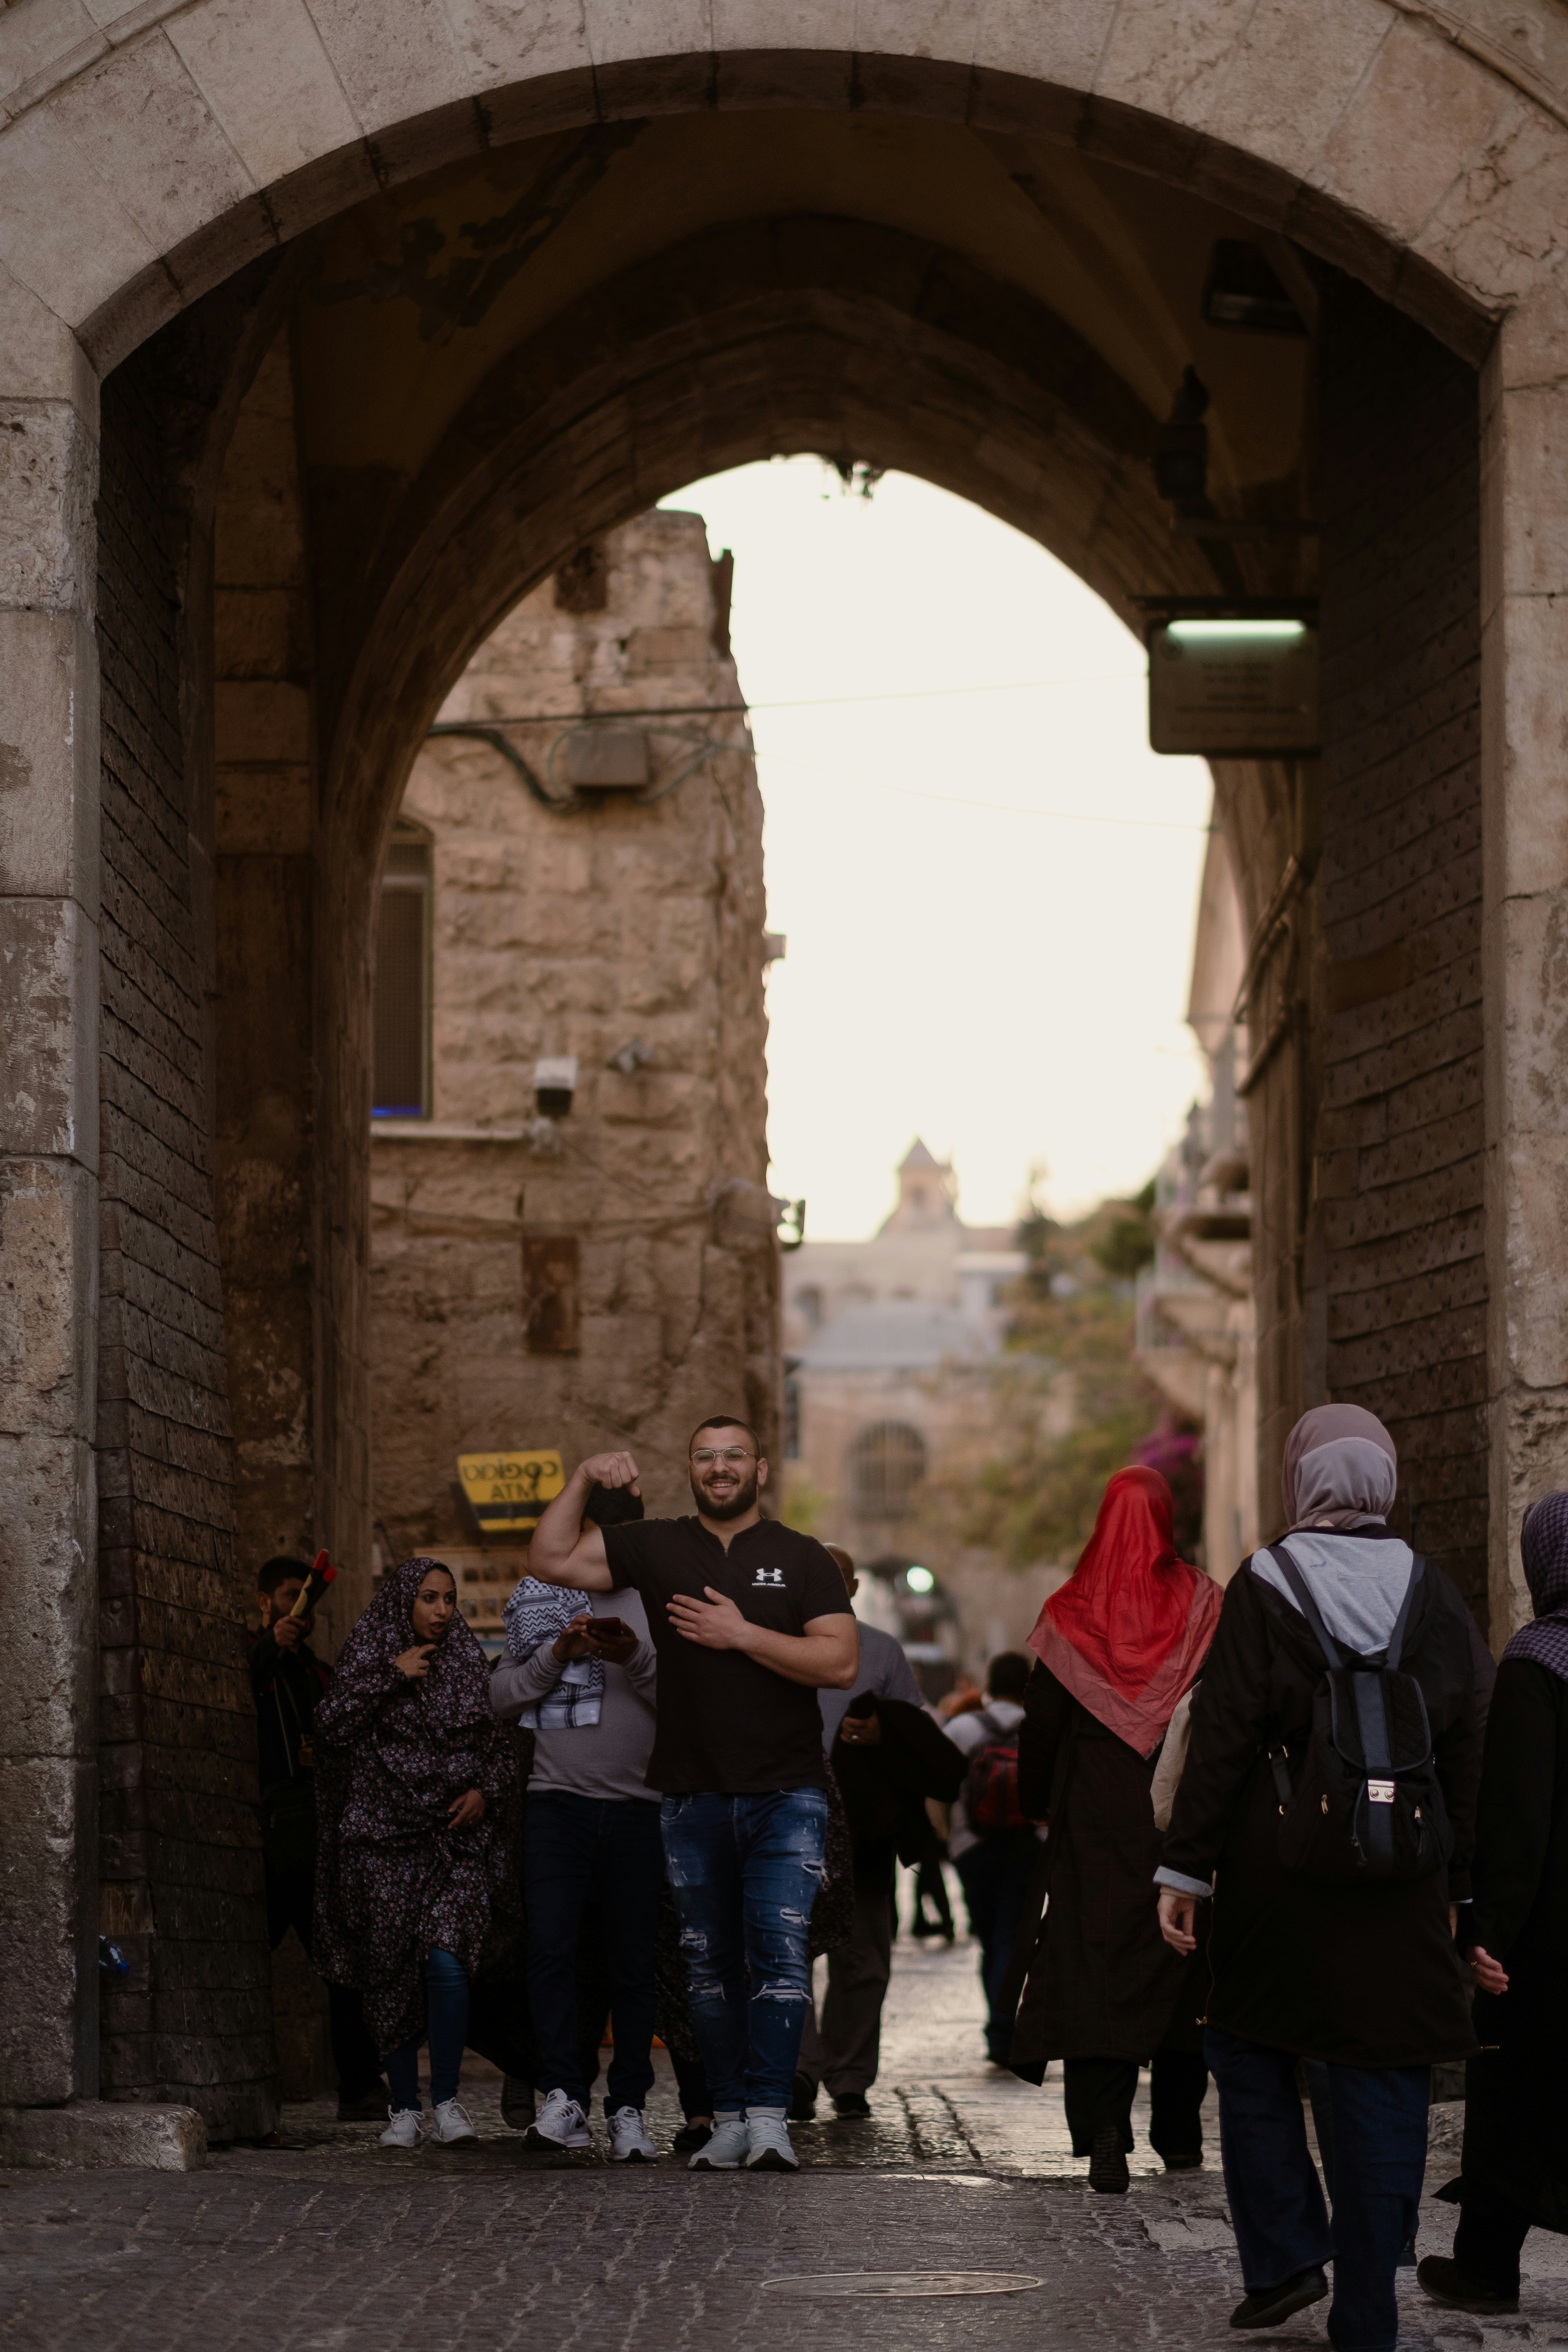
{"x":744,"y":1873}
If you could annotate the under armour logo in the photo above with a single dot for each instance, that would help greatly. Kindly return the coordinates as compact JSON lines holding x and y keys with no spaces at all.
{"x":768,"y":1576}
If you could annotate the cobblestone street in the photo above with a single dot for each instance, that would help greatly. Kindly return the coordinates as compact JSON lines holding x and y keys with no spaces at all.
{"x":328,"y":2245}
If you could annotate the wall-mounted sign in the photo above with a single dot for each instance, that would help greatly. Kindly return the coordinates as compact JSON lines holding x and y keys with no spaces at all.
{"x":1244,"y":687}
{"x":508,"y":1490}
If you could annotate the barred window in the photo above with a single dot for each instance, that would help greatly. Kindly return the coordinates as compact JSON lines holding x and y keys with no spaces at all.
{"x":402,"y":1087}
{"x":887,"y":1463}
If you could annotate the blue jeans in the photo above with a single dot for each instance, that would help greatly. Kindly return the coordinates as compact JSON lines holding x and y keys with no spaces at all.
{"x":744,"y":1873}
{"x":994,"y":1874}
{"x":447,"y":2020}
{"x":606,"y":1851}
{"x":1276,"y":2199}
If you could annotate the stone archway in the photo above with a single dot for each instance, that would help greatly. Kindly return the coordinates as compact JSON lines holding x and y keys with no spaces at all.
{"x":143,"y":174}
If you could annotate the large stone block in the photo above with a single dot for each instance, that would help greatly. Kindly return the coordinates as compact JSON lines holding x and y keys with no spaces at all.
{"x":49,"y":1872}
{"x":61,"y":231}
{"x":394,"y":63}
{"x":129,"y":116}
{"x":48,"y":478}
{"x":265,"y":73}
{"x":48,"y":1247}
{"x":40,"y":359}
{"x":1291,"y":74}
{"x":88,"y":2133}
{"x":1408,"y":131}
{"x":48,"y":1029}
{"x":48,"y":743}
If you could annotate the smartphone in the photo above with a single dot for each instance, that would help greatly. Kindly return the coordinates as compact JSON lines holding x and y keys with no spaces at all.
{"x":608,"y":1629}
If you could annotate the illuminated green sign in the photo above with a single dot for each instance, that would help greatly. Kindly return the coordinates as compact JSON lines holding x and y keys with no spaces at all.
{"x":1232,"y":688}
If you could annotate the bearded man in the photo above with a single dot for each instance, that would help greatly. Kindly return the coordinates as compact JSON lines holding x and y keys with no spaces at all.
{"x":750,"y":1621}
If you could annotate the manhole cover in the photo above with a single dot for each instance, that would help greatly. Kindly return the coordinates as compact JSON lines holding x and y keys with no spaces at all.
{"x":902,"y":2283}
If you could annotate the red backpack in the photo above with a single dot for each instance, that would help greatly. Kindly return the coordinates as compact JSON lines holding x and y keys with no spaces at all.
{"x":991,"y":1803}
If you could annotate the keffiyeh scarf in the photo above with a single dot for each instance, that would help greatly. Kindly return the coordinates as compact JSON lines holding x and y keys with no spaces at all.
{"x":537,"y":1612}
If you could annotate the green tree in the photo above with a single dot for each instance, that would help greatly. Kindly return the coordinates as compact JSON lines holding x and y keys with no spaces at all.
{"x":1072,"y":1328}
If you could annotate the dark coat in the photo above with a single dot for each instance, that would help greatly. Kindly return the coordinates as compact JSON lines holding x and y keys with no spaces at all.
{"x":1516,"y":2113}
{"x":885,"y":1787}
{"x":1104,"y":1982}
{"x":1366,"y":1976}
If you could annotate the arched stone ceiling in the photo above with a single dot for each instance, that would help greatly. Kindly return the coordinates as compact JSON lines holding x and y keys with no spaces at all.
{"x":152,"y":151}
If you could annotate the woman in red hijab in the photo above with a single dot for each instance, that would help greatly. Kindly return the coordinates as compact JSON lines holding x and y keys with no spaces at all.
{"x":1119,"y":1646}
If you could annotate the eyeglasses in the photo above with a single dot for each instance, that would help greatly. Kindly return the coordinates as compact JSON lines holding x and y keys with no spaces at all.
{"x":706,"y":1456}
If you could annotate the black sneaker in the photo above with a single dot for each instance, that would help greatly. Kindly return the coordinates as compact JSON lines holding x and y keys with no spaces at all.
{"x":802,"y":2099}
{"x":852,"y":2107}
{"x":519,"y":2102}
{"x":1107,"y":2163}
{"x":690,"y":2137}
{"x":1271,"y":2306}
{"x":1190,"y":2161}
{"x":1448,"y":2281}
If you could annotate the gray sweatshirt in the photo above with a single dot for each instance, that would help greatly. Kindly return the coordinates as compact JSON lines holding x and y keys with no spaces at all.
{"x":607,"y":1758}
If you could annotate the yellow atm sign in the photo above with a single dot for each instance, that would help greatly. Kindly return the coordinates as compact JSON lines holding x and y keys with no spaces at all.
{"x":507,"y":1491}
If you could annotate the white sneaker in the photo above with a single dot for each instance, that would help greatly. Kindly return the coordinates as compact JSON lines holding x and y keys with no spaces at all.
{"x":450,"y":2124}
{"x":629,"y":2142}
{"x":767,"y":2142}
{"x":561,"y":2123}
{"x":404,"y":2128}
{"x":726,"y":2149}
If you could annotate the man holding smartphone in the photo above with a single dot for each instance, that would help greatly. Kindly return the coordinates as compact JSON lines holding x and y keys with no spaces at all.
{"x":591,"y":1838}
{"x":750,"y":1620}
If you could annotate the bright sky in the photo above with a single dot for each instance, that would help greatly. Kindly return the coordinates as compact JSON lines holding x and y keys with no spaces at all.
{"x":988,"y":881}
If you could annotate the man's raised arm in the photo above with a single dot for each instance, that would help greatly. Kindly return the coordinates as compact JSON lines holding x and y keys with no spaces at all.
{"x":565,"y":1551}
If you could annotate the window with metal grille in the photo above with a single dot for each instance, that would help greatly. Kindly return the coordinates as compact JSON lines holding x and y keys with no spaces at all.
{"x":887,"y":1463}
{"x":403,"y":982}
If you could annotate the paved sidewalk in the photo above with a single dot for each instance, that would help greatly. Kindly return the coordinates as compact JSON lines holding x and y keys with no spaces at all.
{"x":328,"y":2245}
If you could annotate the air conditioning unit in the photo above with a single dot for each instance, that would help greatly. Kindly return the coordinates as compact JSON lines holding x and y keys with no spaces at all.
{"x":608,"y":760}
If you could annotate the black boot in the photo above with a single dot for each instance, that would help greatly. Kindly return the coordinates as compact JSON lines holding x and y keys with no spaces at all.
{"x":1272,"y":2306}
{"x":1446,"y":2280}
{"x":1108,"y":2162}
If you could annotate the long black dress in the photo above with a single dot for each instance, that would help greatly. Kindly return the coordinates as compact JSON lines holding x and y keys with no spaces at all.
{"x":1366,"y":1976}
{"x":1515,"y":2110}
{"x":1102,"y":1982}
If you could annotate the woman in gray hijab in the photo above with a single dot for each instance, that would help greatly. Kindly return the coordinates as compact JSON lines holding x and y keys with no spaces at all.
{"x":1359,"y":1973}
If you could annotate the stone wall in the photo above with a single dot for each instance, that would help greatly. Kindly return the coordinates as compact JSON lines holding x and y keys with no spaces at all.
{"x":180,"y":1860}
{"x":1398,"y":1175}
{"x":264,"y":1180}
{"x":623,"y":923}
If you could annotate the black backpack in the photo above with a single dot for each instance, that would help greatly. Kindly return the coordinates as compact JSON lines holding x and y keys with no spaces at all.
{"x":1367,"y":1804}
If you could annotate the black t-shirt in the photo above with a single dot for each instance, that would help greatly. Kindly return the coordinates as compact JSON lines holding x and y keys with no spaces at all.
{"x":724,"y":1721}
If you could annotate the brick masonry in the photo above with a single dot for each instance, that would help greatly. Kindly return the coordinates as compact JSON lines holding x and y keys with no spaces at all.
{"x":1398,"y":1166}
{"x":180,"y":1846}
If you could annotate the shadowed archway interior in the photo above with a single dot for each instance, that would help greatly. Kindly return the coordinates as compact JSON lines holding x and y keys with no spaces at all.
{"x":325,"y":481}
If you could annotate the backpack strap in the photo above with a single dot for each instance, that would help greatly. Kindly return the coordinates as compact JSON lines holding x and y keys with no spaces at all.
{"x":1305,"y":1603}
{"x":1396,"y":1638}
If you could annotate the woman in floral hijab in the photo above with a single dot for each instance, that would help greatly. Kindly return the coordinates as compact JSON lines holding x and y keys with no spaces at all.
{"x":418,"y":1807}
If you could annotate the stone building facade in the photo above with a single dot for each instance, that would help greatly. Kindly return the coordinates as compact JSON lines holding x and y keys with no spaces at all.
{"x":1197,"y":1318}
{"x":606,"y":1278}
{"x":327,"y":334}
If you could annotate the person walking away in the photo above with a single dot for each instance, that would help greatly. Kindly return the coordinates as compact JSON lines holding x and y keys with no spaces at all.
{"x":750,"y":1620}
{"x":287,"y":1679}
{"x":418,"y":1805}
{"x":1513,"y":2173}
{"x":889,"y":1755}
{"x":1320,"y":1947}
{"x":992,"y":1843}
{"x":1119,"y":1646}
{"x":582,"y":1676}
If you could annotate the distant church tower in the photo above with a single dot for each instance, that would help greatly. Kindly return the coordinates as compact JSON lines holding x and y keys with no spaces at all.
{"x":928,"y":1192}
